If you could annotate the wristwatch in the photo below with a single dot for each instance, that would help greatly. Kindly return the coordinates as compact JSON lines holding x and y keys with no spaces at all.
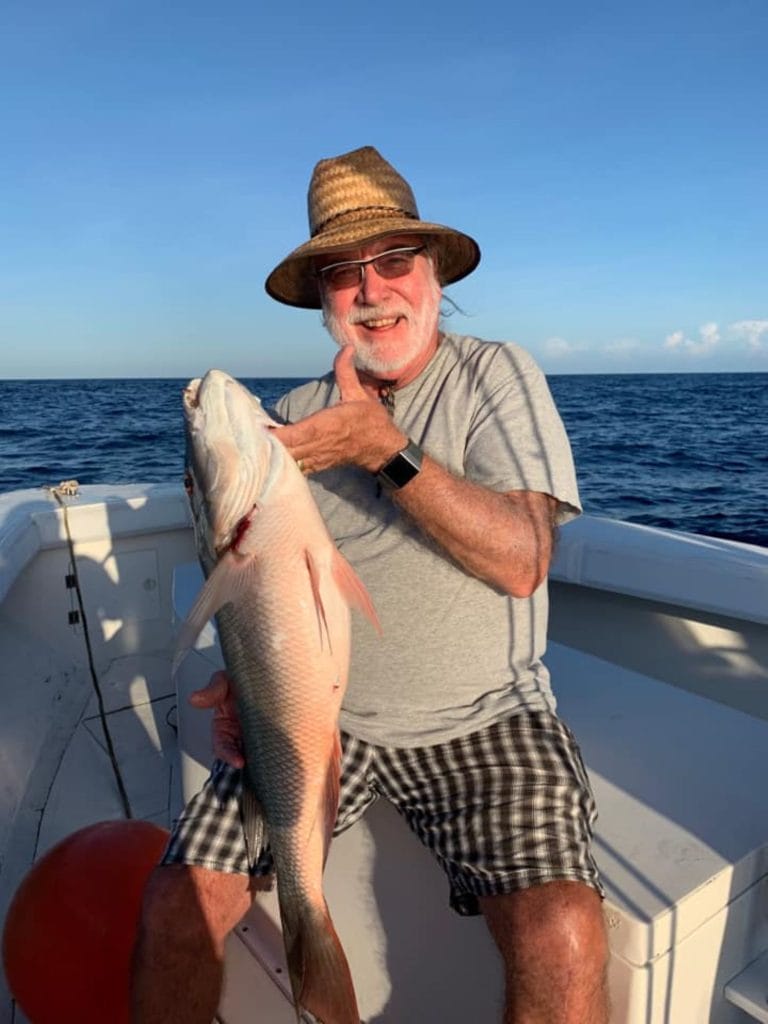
{"x":403,"y":467}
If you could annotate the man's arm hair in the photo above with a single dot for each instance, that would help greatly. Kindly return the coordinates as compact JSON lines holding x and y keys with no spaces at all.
{"x":506,"y":539}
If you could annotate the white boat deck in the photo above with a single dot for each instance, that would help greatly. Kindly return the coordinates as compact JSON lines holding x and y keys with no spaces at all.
{"x":141,"y":711}
{"x":679,"y":777}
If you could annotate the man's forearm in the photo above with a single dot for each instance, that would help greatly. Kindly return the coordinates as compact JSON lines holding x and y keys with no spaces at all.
{"x":504,"y":539}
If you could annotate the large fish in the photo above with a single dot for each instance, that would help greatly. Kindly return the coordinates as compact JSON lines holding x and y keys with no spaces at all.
{"x":281,"y":593}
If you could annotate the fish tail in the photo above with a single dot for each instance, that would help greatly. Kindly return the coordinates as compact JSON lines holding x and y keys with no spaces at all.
{"x":320,"y":977}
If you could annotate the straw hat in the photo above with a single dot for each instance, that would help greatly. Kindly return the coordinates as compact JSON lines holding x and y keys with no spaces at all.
{"x":353,"y":199}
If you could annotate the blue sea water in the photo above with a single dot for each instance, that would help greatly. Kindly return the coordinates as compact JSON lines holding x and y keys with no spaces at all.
{"x":685,"y":451}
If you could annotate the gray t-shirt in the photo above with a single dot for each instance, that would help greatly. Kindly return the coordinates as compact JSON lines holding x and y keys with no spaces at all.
{"x":456,"y":654}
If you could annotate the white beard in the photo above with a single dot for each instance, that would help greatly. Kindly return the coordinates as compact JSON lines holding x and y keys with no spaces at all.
{"x":422,"y":324}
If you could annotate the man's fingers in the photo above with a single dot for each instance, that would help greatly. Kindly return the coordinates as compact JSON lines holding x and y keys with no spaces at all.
{"x":231,"y":757}
{"x":226,"y":736}
{"x":347,"y":380}
{"x":227,"y":747}
{"x":298,"y":437}
{"x":216,"y":692}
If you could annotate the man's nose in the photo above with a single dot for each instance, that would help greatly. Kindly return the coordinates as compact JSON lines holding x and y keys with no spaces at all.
{"x":372,"y":285}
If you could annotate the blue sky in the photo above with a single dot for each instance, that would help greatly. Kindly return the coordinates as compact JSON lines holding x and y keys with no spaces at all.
{"x":610,"y":158}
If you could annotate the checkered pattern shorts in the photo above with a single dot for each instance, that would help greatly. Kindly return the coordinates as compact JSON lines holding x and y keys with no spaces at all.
{"x":501,"y":809}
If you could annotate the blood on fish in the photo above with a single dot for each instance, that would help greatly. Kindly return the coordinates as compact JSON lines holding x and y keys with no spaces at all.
{"x":240,"y":530}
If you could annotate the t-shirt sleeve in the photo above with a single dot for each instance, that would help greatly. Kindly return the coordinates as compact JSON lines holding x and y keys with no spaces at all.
{"x":516,"y":439}
{"x":281,"y":410}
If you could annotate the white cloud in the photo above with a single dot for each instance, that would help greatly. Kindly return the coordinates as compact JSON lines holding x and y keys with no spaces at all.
{"x":559,"y":347}
{"x":622,"y":347}
{"x":752,"y":332}
{"x":709,"y":336}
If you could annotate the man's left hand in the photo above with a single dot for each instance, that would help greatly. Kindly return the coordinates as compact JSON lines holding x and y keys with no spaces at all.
{"x":226,"y":734}
{"x":357,"y":431}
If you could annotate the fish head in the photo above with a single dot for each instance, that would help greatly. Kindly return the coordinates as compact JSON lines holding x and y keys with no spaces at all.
{"x":231,"y":458}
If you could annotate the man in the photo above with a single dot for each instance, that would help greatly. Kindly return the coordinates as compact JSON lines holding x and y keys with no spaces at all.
{"x":442,"y":468}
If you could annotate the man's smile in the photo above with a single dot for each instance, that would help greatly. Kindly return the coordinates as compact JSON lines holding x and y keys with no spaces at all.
{"x":381,"y":324}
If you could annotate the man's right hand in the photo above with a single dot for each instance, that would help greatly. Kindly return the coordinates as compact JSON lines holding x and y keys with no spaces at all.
{"x":226,"y":735}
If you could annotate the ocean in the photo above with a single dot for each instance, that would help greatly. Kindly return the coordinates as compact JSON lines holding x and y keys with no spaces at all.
{"x":684,"y":451}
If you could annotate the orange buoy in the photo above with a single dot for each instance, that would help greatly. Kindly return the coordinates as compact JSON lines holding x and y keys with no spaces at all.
{"x":71,"y":926}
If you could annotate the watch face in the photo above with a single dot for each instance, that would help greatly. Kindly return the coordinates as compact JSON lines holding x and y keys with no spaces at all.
{"x":401,"y":469}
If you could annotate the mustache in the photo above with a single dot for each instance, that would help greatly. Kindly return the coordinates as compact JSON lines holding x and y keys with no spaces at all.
{"x":363,"y":313}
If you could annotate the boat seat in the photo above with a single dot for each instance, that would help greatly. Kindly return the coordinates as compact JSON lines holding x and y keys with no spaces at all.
{"x":682,"y":836}
{"x":681,"y":842}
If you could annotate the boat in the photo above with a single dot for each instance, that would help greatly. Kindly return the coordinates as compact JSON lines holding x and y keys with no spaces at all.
{"x":659,"y":658}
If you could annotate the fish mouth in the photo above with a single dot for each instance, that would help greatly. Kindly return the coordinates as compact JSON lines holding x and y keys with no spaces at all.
{"x":192,"y":394}
{"x":215,"y":384}
{"x":225,"y":467}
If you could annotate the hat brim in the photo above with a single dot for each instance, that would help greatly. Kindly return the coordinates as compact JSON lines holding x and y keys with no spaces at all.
{"x":294,"y":282}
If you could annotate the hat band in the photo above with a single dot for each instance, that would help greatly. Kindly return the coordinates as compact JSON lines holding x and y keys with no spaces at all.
{"x":390,"y":211}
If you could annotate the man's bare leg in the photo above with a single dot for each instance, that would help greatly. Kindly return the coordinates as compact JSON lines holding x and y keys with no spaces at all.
{"x":552,"y":939}
{"x":178,"y":960}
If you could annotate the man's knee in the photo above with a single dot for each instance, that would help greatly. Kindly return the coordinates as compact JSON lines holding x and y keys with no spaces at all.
{"x":188,"y":901}
{"x":552,"y":938}
{"x":556,"y":921}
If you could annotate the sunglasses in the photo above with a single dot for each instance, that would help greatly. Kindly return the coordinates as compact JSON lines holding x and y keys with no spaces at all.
{"x":390,"y":264}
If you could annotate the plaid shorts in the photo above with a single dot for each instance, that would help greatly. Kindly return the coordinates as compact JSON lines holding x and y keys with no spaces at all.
{"x":504,"y":808}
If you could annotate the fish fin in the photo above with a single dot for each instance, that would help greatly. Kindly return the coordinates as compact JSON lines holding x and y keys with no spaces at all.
{"x":314,"y":577}
{"x":254,"y":825}
{"x":331,"y":795}
{"x":320,"y":977}
{"x":224,"y":584}
{"x":353,"y":590}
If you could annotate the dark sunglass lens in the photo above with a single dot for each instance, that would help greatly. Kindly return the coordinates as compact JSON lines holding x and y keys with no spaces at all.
{"x":394,"y":264}
{"x":343,"y":276}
